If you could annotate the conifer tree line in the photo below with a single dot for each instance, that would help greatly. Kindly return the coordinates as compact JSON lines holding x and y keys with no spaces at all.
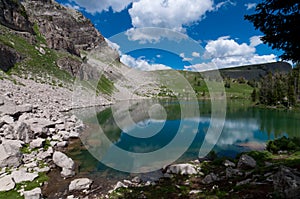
{"x":279,"y":89}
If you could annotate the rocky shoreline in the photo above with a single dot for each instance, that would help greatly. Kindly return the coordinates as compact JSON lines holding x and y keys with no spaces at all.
{"x":35,"y":126}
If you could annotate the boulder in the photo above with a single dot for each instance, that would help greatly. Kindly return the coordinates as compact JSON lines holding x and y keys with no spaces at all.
{"x":80,"y":184}
{"x":23,"y":176}
{"x":183,"y":169}
{"x":33,"y":194}
{"x":39,"y":125}
{"x":22,"y":132}
{"x":230,"y":172}
{"x":287,"y":183}
{"x":67,"y":173}
{"x":6,"y":183}
{"x":210,"y":178}
{"x":120,"y":185}
{"x":37,"y":143}
{"x":14,"y":110}
{"x":66,"y":163}
{"x":246,"y":162}
{"x":7,"y":119}
{"x":228,"y":163}
{"x":10,"y":155}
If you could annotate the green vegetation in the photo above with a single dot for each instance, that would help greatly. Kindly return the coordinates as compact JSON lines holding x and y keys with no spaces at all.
{"x":280,"y":89}
{"x":279,"y":22}
{"x":105,"y":86}
{"x":34,"y":64}
{"x":284,"y":144}
{"x":26,"y":185}
{"x":228,"y":187}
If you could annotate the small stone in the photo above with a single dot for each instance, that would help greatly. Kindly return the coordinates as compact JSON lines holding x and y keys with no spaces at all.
{"x":80,"y":184}
{"x":136,"y":179}
{"x":210,"y":178}
{"x":119,"y":185}
{"x":67,"y":173}
{"x":195,"y":192}
{"x":230,"y":172}
{"x":62,"y":144}
{"x":37,"y":143}
{"x":74,"y":134}
{"x":247,"y":181}
{"x":228,"y":163}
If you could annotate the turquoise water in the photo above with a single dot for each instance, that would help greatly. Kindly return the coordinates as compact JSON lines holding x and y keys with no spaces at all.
{"x":245,"y":128}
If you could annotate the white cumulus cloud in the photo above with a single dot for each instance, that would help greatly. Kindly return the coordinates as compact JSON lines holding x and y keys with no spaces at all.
{"x":184,"y":58}
{"x":225,"y":47}
{"x":171,"y":14}
{"x":196,"y":54}
{"x":226,"y":52}
{"x":142,"y":64}
{"x":250,"y":6}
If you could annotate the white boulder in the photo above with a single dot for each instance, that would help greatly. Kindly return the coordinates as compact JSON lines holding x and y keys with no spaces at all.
{"x":183,"y":169}
{"x":80,"y":184}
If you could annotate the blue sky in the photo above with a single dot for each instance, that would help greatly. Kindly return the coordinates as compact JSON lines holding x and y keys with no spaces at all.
{"x":217,"y":26}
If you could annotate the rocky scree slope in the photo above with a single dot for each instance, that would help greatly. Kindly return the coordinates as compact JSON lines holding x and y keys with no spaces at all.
{"x":43,"y":38}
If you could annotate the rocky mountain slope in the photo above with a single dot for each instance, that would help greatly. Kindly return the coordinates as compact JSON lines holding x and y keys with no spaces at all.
{"x":47,"y":42}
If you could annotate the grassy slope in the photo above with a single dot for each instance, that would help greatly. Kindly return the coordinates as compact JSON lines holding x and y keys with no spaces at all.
{"x":35,"y":65}
{"x":236,"y":91}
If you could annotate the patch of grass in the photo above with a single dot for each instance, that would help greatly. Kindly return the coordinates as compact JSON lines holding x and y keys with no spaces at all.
{"x":34,"y":63}
{"x":105,"y":86}
{"x":14,"y":194}
{"x":25,"y":149}
{"x":40,"y":38}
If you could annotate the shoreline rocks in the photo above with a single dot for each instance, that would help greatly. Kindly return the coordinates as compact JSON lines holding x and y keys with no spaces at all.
{"x":32,"y":132}
{"x":64,"y":162}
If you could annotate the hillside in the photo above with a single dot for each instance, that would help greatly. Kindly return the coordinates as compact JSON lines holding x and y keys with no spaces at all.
{"x":255,"y":72}
{"x":49,"y":43}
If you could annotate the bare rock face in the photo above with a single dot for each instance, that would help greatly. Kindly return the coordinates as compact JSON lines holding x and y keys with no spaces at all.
{"x":8,"y":56}
{"x":63,"y":28}
{"x":70,"y":65}
{"x":13,"y":15}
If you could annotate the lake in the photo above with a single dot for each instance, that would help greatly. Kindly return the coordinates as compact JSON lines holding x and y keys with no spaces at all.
{"x":143,"y":136}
